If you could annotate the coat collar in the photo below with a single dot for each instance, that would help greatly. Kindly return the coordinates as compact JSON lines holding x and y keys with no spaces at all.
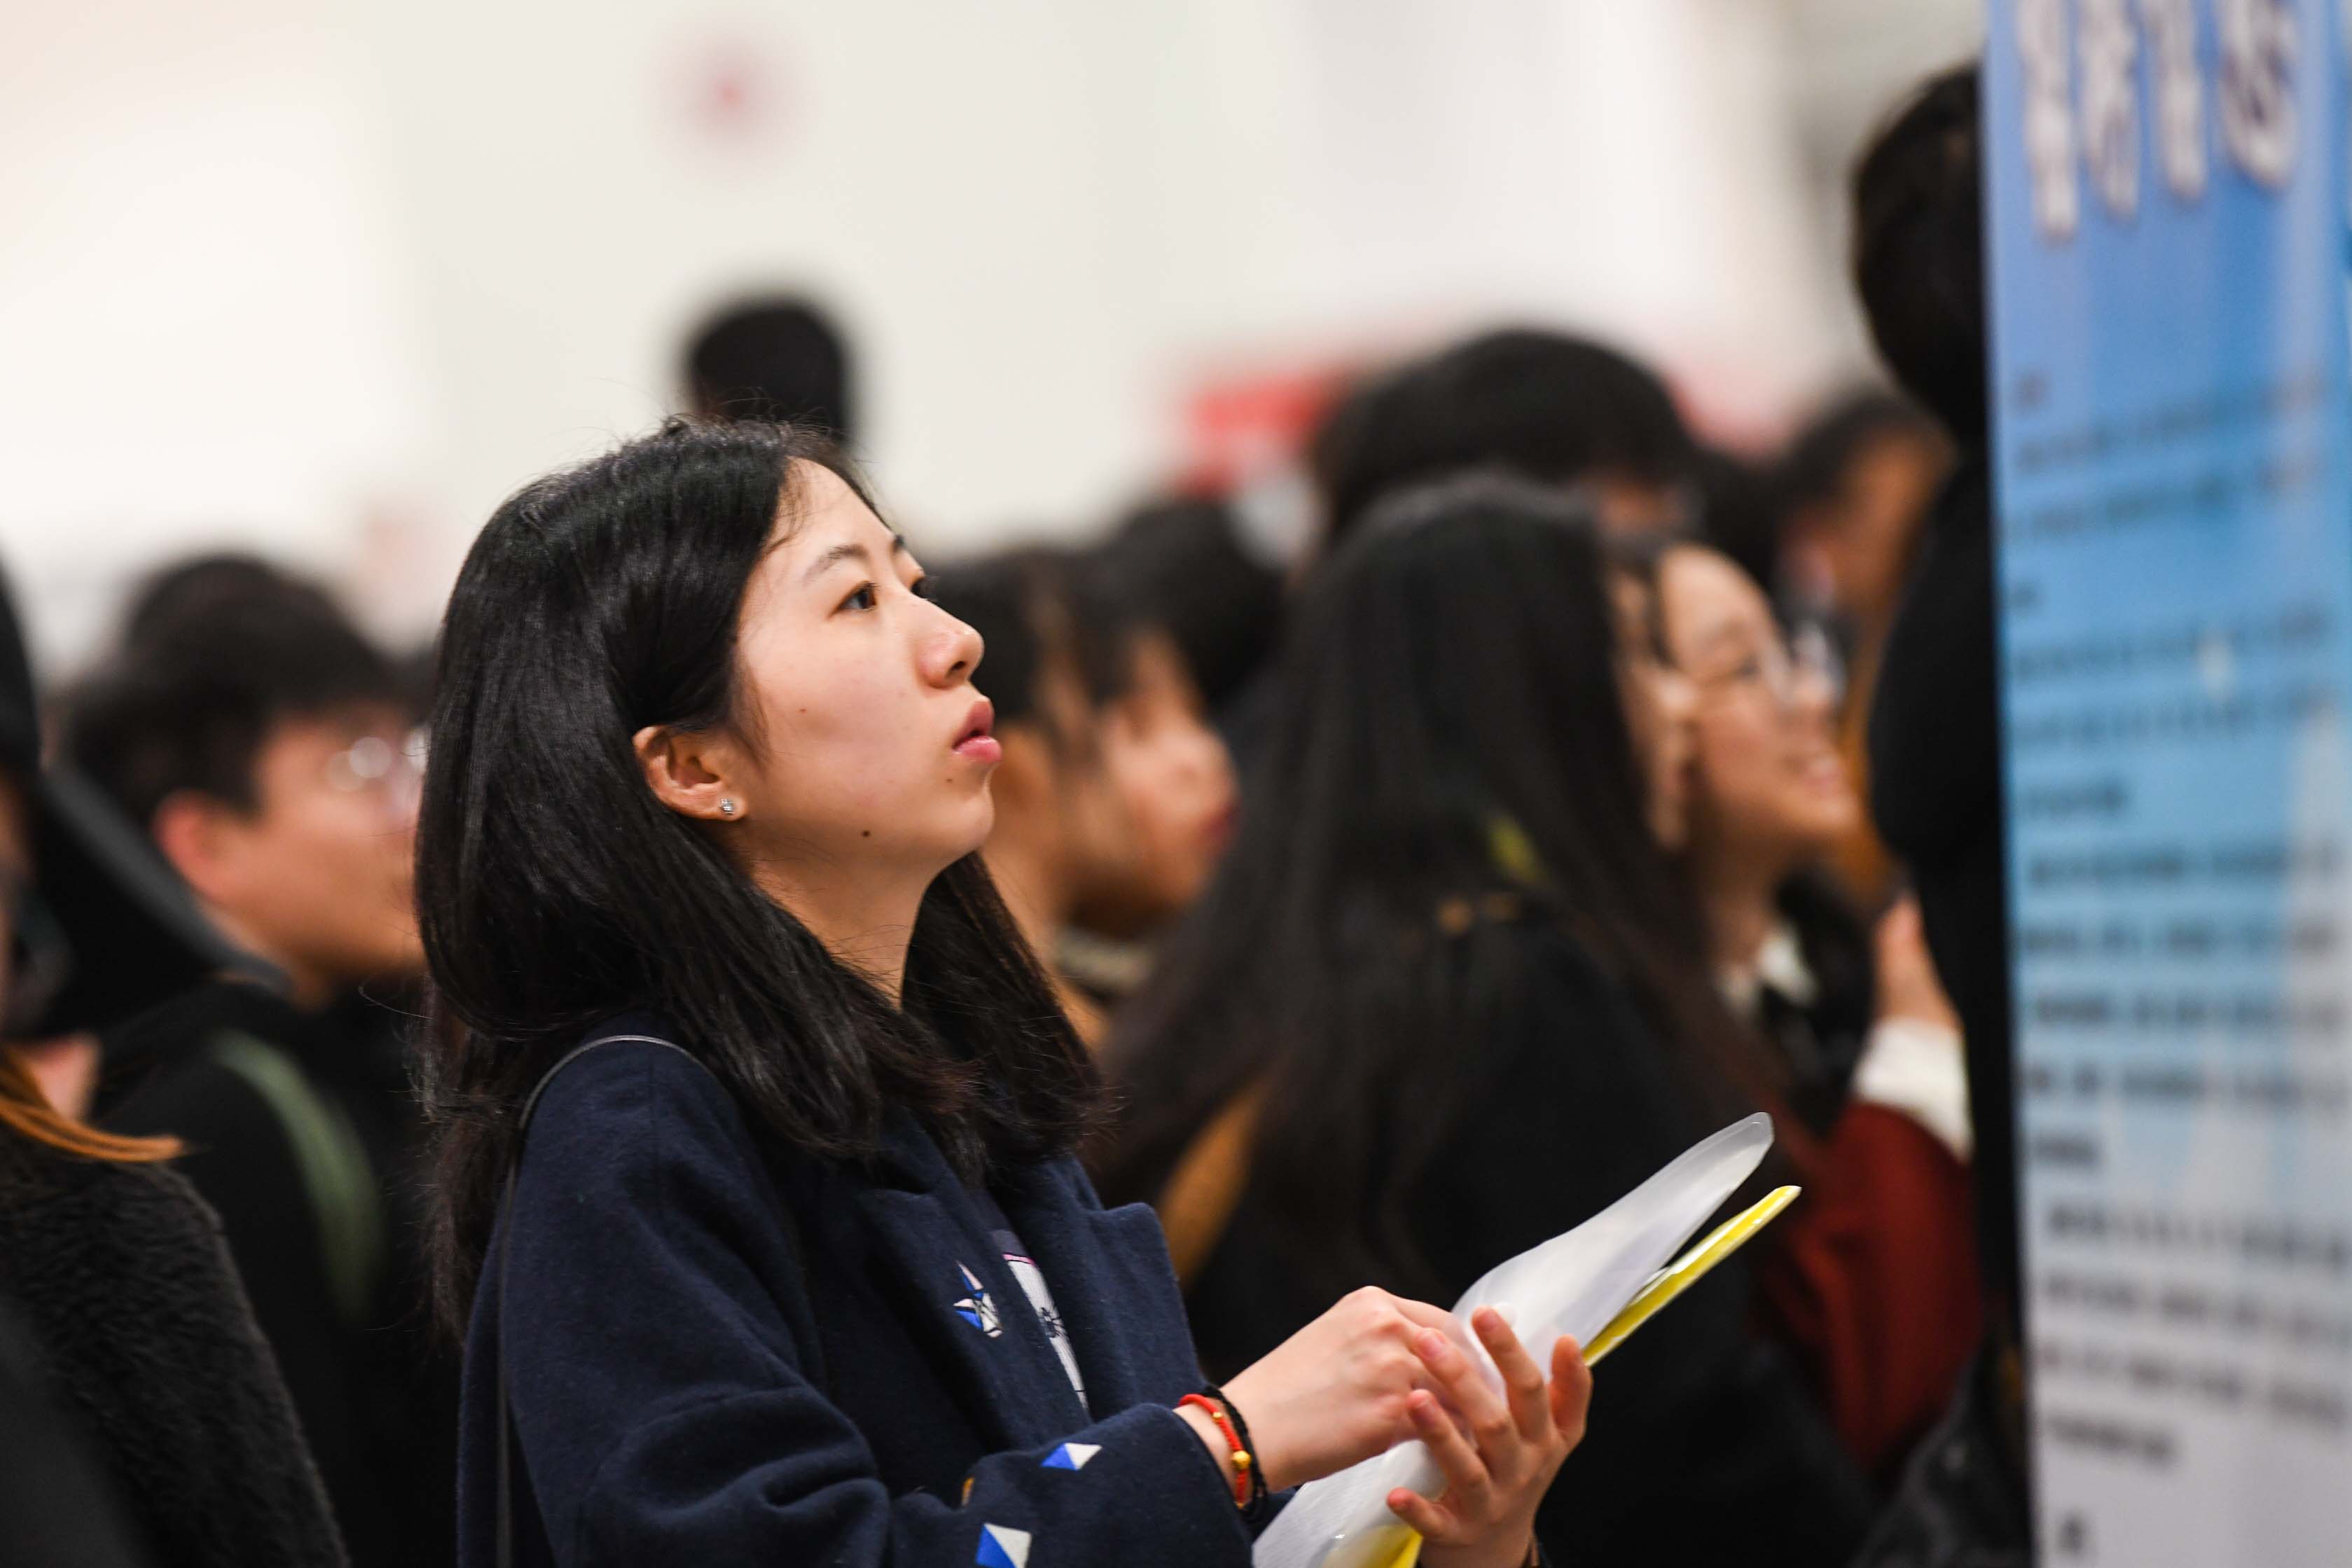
{"x":980,"y":1324}
{"x":1108,"y":1274}
{"x":1112,"y":1284}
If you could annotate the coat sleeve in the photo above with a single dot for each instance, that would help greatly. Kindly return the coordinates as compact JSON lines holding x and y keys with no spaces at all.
{"x":666,"y":1411}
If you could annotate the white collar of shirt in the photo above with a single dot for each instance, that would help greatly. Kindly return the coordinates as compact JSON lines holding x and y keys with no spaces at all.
{"x":1781,"y":963}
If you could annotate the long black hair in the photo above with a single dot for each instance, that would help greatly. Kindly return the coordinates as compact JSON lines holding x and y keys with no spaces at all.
{"x":555,"y":892}
{"x":1452,"y":740}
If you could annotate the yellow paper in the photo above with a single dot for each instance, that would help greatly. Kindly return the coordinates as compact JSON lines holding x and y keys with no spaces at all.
{"x":1687,"y":1270}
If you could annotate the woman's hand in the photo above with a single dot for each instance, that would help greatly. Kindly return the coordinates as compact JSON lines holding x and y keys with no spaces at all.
{"x":1335,"y":1392}
{"x":1499,"y":1451}
{"x":1907,"y":986}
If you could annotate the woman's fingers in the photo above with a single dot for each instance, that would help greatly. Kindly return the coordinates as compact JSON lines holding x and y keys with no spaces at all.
{"x":1465,"y":1389}
{"x":1422,"y":1314}
{"x":1523,"y":1380}
{"x":1431,"y":1520}
{"x":1572,"y":1390}
{"x":1467,"y":1483}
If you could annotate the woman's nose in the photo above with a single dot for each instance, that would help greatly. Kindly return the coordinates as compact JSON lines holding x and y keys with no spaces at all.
{"x":1815,"y":696}
{"x":950,"y":650}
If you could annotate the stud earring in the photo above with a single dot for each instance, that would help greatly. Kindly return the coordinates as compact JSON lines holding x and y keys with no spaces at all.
{"x":726,"y":807}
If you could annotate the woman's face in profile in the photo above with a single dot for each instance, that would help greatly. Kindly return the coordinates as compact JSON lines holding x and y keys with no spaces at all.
{"x":863,"y":742}
{"x":1173,"y":780}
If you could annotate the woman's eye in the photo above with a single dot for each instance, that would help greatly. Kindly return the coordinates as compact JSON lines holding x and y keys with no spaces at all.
{"x":920,"y":588}
{"x":864,"y":599}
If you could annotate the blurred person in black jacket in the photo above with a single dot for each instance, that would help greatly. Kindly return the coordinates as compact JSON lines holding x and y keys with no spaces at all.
{"x":266,"y":748}
{"x":1934,"y":722}
{"x":1936,"y":766}
{"x":1446,"y":999}
{"x":142,"y":1416}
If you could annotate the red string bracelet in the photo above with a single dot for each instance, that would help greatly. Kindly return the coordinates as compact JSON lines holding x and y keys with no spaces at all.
{"x":1242,"y":1459}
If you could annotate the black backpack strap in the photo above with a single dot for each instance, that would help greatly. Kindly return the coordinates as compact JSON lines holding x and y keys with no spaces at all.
{"x":506,"y":1550}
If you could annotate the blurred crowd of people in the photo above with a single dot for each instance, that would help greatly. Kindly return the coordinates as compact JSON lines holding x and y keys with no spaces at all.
{"x":1584,"y":789}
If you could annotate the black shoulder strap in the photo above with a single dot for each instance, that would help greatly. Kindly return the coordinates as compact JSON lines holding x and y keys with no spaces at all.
{"x":506,"y":1240}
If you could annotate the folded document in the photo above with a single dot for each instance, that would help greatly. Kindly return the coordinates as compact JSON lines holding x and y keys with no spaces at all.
{"x":1597,"y":1282}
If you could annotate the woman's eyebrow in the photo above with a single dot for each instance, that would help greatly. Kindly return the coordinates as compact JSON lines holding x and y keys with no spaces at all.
{"x":833,"y":558}
{"x":1722,"y":635}
{"x":848,"y":551}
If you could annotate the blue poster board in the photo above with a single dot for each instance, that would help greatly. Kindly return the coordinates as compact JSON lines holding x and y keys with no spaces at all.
{"x":2165,"y":196}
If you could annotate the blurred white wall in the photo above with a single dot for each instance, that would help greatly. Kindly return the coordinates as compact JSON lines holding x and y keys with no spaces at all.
{"x":334,"y":277}
{"x":206,"y":329}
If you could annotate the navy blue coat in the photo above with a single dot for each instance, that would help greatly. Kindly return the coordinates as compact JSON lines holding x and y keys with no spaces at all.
{"x":700,"y":1373}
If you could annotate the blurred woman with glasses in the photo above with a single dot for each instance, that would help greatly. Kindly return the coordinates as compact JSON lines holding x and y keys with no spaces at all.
{"x":1877,"y":1286}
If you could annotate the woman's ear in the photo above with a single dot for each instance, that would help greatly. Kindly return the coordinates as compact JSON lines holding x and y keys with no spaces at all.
{"x":194,"y":834}
{"x":686,"y":771}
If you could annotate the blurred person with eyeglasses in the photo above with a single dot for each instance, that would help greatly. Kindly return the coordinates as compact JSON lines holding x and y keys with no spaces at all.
{"x":1867,"y":1042}
{"x":271,"y":753}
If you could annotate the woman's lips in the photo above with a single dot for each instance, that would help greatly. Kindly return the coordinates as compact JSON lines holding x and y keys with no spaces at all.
{"x":975,"y":742}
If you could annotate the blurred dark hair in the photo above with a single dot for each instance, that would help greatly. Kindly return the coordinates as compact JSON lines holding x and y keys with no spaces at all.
{"x":1180,"y":562}
{"x":1737,"y":513}
{"x":218,"y":652}
{"x":772,"y":359}
{"x":1815,"y":466}
{"x":555,"y":892}
{"x":1919,"y":250}
{"x":1451,"y":679}
{"x":1543,"y":405}
{"x":1033,"y":606}
{"x":200,"y":585}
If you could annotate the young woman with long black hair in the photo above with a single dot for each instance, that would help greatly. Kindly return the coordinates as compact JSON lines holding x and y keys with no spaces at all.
{"x":1447,"y":999}
{"x":754,"y":1174}
{"x":1872,"y":1281}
